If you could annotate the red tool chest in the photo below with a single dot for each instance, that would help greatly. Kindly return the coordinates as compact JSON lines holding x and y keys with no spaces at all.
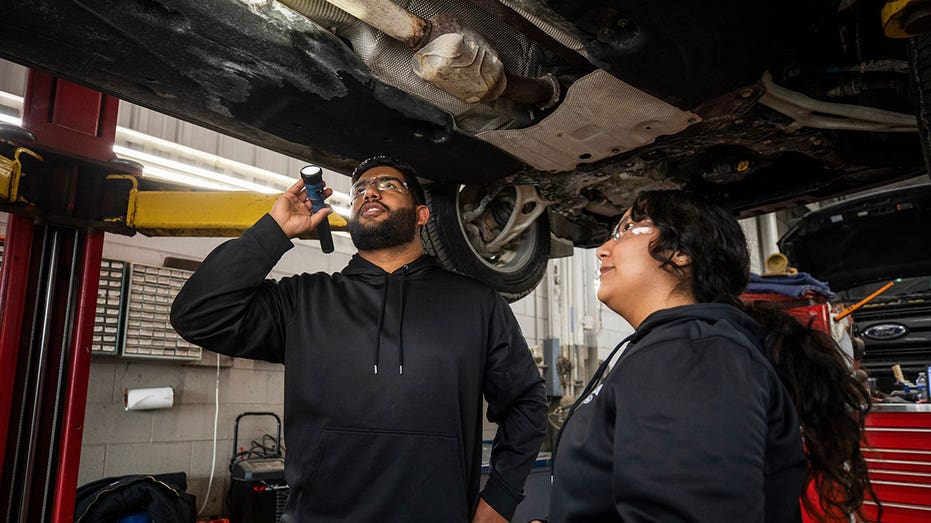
{"x":898,"y":453}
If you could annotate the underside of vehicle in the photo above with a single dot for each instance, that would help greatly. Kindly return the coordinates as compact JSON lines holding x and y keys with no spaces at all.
{"x":532,"y":118}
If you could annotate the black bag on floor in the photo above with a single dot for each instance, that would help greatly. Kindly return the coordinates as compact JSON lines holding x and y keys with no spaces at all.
{"x":162,"y":496}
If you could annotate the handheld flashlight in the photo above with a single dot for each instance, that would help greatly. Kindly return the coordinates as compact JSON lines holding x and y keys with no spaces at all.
{"x":313,"y":183}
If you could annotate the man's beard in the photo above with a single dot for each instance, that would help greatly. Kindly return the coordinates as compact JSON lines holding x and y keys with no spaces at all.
{"x":399,"y":228}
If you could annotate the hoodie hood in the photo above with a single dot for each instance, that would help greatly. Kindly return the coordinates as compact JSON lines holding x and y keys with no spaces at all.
{"x":393,"y":286}
{"x":706,"y":312}
{"x":664,"y":322}
{"x":360,"y":267}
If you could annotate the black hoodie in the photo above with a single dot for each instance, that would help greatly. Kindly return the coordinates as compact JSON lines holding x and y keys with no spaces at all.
{"x":691,"y":425}
{"x":384,"y":377}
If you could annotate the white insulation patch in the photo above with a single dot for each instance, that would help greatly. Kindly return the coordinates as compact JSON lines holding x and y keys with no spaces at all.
{"x":600,"y":117}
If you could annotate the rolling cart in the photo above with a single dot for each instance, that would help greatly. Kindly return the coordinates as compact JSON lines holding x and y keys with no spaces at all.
{"x":258,"y":491}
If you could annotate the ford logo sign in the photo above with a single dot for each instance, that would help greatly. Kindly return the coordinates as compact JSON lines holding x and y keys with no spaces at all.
{"x":886,"y":331}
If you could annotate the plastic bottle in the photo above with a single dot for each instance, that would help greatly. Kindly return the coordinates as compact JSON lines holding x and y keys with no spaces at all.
{"x":921,"y":383}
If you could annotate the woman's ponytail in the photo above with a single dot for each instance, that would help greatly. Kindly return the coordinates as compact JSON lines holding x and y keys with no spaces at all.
{"x":831,"y":405}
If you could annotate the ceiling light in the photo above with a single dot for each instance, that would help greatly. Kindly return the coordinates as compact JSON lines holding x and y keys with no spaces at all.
{"x":175,"y":177}
{"x":207,"y":175}
{"x":187,"y":174}
{"x":12,"y":120}
{"x":131,"y":136}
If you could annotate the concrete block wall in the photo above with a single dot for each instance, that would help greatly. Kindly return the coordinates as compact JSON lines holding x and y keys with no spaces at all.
{"x":117,"y":442}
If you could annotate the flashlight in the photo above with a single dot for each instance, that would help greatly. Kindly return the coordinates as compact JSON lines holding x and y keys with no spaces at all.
{"x":313,"y":183}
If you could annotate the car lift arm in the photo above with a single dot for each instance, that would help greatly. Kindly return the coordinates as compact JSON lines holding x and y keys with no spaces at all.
{"x":152,"y":213}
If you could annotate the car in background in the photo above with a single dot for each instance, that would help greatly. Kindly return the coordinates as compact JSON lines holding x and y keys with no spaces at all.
{"x":859,"y":245}
{"x":536,"y":120}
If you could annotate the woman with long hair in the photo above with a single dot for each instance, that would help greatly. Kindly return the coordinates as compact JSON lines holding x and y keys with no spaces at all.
{"x":714,"y":411}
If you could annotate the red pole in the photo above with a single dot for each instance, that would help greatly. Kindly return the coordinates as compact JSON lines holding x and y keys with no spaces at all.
{"x":80,"y":124}
{"x":78,"y":372}
{"x":14,"y":278}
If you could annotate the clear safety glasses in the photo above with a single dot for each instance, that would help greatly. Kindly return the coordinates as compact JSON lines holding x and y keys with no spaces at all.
{"x":382,"y":183}
{"x":627,"y":227}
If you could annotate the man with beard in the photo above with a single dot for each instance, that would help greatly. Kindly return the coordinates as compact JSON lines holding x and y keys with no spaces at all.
{"x":386,"y":362}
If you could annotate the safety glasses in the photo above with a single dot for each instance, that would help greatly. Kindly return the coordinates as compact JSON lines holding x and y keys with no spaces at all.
{"x":628,"y":227}
{"x":382,"y":183}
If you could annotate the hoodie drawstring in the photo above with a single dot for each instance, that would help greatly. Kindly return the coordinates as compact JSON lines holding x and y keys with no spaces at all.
{"x":401,"y":323}
{"x":381,"y":322}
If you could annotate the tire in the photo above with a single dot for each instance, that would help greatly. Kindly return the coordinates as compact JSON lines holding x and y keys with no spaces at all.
{"x":919,"y":54}
{"x":518,"y":267}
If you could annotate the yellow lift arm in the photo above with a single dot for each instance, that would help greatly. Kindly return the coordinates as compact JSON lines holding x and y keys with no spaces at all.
{"x":152,"y":213}
{"x":200,"y":213}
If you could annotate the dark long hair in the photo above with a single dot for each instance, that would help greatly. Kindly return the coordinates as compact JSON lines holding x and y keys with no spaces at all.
{"x":830,"y":403}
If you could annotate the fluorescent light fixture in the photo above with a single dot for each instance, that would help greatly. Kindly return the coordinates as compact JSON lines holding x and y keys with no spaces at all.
{"x":11,"y":100}
{"x":170,"y":176}
{"x":207,"y":175}
{"x":12,"y":120}
{"x":155,"y":166}
{"x":160,"y":144}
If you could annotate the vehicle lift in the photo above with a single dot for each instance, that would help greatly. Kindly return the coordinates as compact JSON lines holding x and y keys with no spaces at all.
{"x":63,"y":188}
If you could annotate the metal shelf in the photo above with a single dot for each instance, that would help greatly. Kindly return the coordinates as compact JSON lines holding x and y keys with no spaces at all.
{"x":108,"y":322}
{"x":147,"y":331}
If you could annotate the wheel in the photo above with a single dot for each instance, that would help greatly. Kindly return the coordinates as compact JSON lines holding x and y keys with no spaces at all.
{"x":919,"y":53}
{"x":499,"y":235}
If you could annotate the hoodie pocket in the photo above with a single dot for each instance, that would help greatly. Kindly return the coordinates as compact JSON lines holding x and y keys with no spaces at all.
{"x":369,"y":475}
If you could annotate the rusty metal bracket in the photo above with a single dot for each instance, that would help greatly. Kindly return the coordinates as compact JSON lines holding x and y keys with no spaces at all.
{"x":11,"y":171}
{"x":129,"y":217}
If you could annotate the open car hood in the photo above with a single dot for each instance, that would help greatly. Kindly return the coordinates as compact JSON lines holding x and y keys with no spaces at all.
{"x":878,"y":237}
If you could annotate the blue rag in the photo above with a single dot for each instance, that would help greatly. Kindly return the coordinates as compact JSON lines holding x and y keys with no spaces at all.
{"x":794,"y":285}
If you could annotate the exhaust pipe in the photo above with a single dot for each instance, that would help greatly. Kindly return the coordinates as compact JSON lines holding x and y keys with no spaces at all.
{"x":456,"y":59}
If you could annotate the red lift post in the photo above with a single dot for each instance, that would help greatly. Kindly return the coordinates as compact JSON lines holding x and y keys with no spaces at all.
{"x":48,"y":293}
